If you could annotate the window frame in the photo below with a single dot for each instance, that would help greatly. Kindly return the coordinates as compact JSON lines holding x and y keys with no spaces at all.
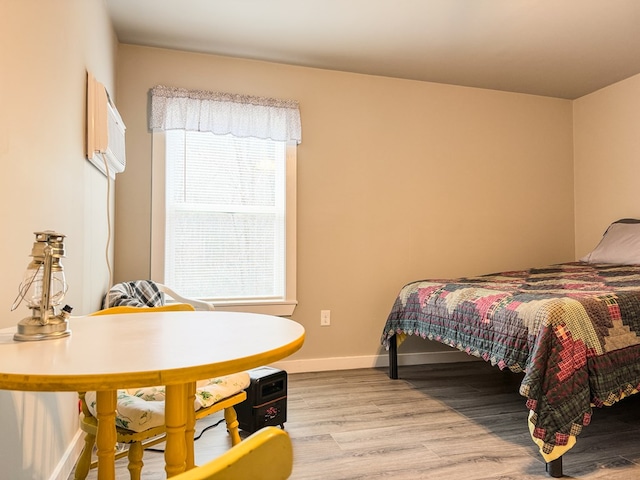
{"x":279,"y":307}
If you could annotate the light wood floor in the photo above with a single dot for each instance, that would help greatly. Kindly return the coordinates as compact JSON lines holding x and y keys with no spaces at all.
{"x":453,"y":421}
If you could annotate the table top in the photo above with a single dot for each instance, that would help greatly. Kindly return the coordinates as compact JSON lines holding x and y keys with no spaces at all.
{"x":107,"y":352}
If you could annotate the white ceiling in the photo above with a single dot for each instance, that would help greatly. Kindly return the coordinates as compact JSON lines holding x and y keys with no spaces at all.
{"x":558,"y":48}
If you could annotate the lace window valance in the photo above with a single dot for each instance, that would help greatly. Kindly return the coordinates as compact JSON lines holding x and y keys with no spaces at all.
{"x":225,"y":113}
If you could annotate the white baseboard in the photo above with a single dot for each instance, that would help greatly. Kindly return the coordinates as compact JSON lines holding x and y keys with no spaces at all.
{"x":370,"y":361}
{"x":68,"y":460}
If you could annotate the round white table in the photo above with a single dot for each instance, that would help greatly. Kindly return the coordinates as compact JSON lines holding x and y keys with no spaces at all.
{"x":175,"y":349}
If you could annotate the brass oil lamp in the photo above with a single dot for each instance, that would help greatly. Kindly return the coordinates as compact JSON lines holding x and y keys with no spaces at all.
{"x":43,"y":288}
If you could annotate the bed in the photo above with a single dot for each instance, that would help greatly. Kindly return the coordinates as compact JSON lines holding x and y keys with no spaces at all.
{"x":572,"y":328}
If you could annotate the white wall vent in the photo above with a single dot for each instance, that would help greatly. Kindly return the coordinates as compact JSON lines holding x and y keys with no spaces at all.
{"x":105,"y":130}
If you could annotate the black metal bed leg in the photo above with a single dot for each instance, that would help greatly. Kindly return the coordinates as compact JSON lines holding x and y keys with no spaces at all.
{"x":393,"y":358}
{"x":554,"y":468}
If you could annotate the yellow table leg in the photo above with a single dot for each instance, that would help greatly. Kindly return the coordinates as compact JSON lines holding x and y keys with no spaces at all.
{"x":106,"y":435}
{"x":175,"y":419}
{"x":190,"y":430}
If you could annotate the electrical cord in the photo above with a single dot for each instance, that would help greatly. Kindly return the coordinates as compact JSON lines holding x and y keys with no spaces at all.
{"x":106,"y":168}
{"x":161,"y":450}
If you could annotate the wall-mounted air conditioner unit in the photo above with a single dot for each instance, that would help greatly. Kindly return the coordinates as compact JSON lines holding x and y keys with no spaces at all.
{"x":105,"y":130}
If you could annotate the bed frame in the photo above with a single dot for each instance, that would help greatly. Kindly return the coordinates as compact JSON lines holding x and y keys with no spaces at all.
{"x":553,"y":468}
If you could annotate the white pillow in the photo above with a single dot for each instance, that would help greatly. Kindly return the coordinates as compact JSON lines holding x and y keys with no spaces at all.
{"x":619,"y":244}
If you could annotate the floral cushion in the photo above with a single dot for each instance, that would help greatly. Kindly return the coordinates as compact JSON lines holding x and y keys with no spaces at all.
{"x":139,"y":409}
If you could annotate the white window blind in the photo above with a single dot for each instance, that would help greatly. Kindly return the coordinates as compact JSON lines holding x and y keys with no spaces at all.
{"x":225,"y":216}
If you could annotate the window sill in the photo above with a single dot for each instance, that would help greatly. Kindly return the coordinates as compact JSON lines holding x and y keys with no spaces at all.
{"x":279,"y":309}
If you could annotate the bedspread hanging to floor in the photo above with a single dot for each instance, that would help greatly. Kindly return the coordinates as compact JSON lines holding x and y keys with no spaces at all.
{"x":572,"y":328}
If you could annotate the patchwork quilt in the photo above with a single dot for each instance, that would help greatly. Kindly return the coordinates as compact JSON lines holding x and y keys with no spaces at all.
{"x":573,"y":329}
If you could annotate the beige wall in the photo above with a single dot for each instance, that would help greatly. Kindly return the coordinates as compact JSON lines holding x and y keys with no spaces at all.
{"x":45,"y":49}
{"x":607,"y":159}
{"x":397,"y":180}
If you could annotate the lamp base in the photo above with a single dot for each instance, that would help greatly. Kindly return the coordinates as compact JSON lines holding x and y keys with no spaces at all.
{"x":30,"y":329}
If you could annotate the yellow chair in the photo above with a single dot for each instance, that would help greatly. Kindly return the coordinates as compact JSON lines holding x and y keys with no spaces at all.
{"x":264,"y":455}
{"x":139,"y":440}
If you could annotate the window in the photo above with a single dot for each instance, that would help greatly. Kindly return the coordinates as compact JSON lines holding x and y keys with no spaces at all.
{"x":223,"y":221}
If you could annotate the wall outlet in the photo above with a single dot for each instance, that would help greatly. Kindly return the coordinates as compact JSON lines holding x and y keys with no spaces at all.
{"x":325,"y":318}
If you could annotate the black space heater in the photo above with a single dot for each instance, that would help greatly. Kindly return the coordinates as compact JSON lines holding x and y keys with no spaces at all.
{"x":266,"y":403}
